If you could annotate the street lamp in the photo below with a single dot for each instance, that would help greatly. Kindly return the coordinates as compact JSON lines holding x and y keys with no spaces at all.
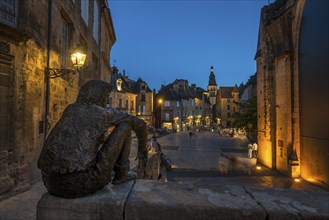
{"x":78,"y":58}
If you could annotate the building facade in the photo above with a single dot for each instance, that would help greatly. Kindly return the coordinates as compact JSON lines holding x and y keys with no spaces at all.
{"x":34,"y":36}
{"x":292,"y":89}
{"x":181,"y":107}
{"x":248,"y":90}
{"x":133,"y":97}
{"x":227,"y":98}
{"x":222,"y":101}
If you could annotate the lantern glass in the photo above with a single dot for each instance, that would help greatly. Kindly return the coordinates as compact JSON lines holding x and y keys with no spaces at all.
{"x":78,"y":58}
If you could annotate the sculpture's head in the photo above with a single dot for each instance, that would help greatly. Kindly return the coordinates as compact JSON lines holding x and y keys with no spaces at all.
{"x":94,"y":92}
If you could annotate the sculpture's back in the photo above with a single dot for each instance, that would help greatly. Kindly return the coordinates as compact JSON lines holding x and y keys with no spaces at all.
{"x":76,"y":160}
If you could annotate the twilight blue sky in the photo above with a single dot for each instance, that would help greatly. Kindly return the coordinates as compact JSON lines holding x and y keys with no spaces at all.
{"x":164,"y":40}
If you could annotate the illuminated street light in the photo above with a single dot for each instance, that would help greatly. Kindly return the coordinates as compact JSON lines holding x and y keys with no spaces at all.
{"x":78,"y":60}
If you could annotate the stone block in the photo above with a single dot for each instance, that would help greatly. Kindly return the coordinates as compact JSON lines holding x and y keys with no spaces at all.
{"x":292,"y":204}
{"x":108,"y":203}
{"x":159,"y":200}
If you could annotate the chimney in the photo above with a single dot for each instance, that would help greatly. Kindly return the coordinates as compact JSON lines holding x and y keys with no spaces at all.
{"x":124,"y":72}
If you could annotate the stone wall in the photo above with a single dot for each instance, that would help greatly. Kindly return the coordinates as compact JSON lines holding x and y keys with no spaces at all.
{"x":276,"y":91}
{"x":292,"y":89}
{"x":23,"y":60}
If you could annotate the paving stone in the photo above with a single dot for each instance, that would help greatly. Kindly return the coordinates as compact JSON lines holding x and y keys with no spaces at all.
{"x":158,"y":200}
{"x":292,"y":204}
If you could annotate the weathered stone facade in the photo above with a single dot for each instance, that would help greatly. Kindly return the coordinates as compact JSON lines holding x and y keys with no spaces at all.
{"x":279,"y":69}
{"x":133,"y":97}
{"x":227,"y":97}
{"x":23,"y":61}
{"x":275,"y":68}
{"x":183,"y":107}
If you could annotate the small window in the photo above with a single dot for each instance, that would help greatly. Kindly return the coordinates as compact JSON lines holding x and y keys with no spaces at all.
{"x":127,"y":104}
{"x":84,"y":10}
{"x":41,"y":130}
{"x":8,"y":12}
{"x":120,"y":103}
{"x":110,"y":102}
{"x":167,"y":103}
{"x":131,"y":105}
{"x":177,"y":103}
{"x":228,"y":115}
{"x":143,"y":97}
{"x":167,"y":116}
{"x":64,"y":44}
{"x":228,"y":107}
{"x":96,"y":23}
{"x":119,"y":84}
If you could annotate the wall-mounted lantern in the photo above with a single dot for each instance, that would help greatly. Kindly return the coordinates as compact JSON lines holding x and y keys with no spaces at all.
{"x":78,"y":58}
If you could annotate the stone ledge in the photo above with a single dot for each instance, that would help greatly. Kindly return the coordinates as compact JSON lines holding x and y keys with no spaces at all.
{"x":108,"y":203}
{"x":147,"y":199}
{"x":158,"y":200}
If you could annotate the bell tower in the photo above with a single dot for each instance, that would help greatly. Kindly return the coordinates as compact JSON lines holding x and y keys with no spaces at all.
{"x":212,"y":87}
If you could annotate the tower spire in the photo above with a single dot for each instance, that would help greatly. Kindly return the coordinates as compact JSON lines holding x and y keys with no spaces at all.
{"x":212,"y":78}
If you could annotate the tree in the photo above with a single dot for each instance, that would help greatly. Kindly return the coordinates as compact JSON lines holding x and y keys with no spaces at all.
{"x":246,"y":117}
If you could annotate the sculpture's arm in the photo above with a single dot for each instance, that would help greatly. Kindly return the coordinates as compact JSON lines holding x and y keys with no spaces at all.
{"x":138,"y":125}
{"x":114,"y":117}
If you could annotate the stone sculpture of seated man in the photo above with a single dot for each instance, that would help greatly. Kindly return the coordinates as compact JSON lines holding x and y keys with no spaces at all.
{"x":77,"y":159}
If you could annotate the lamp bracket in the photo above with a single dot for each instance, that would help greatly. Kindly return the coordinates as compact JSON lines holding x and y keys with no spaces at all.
{"x":55,"y":73}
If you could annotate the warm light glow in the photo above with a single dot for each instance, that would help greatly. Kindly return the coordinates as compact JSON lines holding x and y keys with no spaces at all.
{"x":78,"y":59}
{"x":160,"y":101}
{"x":297,"y":180}
{"x":119,"y":84}
{"x":174,"y":166}
{"x":258,"y":168}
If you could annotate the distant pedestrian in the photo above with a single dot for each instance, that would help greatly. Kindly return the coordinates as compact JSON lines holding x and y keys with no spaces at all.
{"x":190,"y":134}
{"x":255,"y":150}
{"x":250,"y":151}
